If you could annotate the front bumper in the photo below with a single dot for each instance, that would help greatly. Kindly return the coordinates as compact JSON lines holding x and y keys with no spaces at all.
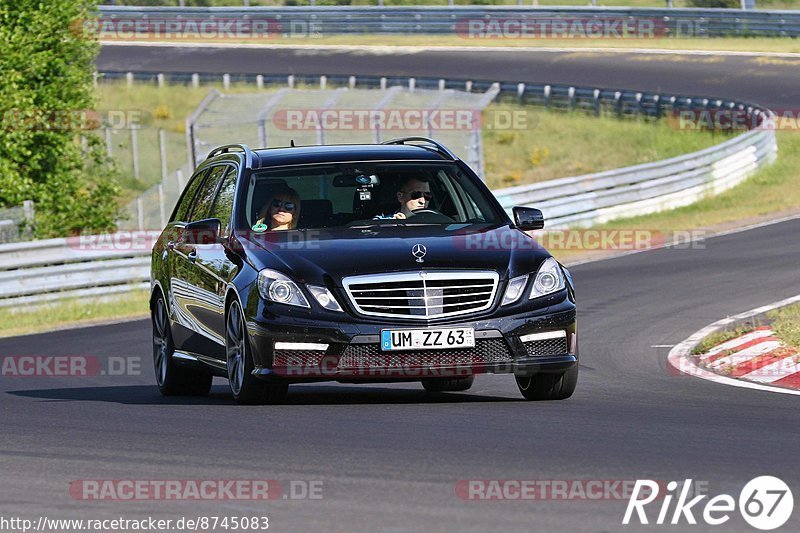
{"x":285,"y":350}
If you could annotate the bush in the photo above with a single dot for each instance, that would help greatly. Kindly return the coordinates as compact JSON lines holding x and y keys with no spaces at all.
{"x":47,"y":154}
{"x":732,"y":4}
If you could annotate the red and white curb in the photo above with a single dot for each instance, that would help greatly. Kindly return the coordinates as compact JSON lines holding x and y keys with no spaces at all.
{"x":757,"y":356}
{"x":757,"y":360}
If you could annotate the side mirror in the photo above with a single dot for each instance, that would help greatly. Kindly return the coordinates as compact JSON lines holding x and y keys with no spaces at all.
{"x":204,"y":231}
{"x":528,"y":218}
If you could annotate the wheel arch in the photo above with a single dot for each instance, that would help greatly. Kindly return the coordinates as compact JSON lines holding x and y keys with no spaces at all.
{"x":155,"y":291}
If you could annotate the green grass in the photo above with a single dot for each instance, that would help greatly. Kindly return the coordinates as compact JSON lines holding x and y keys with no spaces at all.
{"x":166,"y":109}
{"x":772,"y":189}
{"x":545,"y":145}
{"x":784,"y":321}
{"x":787,"y":324}
{"x":558,"y":144}
{"x":72,"y":312}
{"x":721,"y":336}
{"x":770,"y":192}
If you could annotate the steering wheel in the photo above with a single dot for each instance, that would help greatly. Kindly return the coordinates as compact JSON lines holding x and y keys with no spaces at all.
{"x":430,"y":212}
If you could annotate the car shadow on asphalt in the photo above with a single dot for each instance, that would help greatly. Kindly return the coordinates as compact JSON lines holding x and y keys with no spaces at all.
{"x":298,"y":395}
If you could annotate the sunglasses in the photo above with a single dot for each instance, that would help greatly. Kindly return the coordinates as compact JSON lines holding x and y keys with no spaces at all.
{"x":416,"y":195}
{"x":289,"y":206}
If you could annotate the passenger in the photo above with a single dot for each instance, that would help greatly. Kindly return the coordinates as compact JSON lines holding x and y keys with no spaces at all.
{"x":281,"y":212}
{"x":413,"y":193}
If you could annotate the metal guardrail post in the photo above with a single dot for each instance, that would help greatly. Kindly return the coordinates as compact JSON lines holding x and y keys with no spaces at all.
{"x":135,"y":151}
{"x":162,"y":145}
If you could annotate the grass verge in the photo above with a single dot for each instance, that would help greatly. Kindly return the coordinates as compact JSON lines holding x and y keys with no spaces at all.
{"x":72,"y":312}
{"x":786,"y":323}
{"x":719,"y":337}
{"x":557,"y":144}
{"x":547,"y":145}
{"x":771,"y":192}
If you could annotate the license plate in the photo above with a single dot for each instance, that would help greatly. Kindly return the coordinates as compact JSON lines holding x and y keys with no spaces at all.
{"x":427,"y":339}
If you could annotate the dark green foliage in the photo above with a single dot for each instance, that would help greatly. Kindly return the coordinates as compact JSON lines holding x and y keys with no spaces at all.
{"x":734,"y":4}
{"x":47,"y":152}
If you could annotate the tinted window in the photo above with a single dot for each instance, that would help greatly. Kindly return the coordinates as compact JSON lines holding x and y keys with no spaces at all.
{"x":184,"y":205}
{"x":224,"y":202}
{"x":205,"y":196}
{"x":355,"y":194}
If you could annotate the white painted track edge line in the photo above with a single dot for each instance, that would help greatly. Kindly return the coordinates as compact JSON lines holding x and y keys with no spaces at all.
{"x":679,"y":357}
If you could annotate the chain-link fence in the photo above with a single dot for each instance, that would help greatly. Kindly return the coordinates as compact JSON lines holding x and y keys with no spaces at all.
{"x":15,"y":223}
{"x":282,"y":116}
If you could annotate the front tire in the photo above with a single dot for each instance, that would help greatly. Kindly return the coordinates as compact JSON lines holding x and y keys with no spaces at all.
{"x":246,"y":388}
{"x":448,"y":384}
{"x":549,"y":386}
{"x":173,"y":380}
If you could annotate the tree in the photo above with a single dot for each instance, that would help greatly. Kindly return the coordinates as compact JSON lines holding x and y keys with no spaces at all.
{"x":48,"y":152}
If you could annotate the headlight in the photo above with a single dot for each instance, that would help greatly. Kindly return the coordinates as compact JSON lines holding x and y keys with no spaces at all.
{"x":277,"y":287}
{"x":514,"y":290}
{"x":549,"y":279}
{"x":324,"y":298}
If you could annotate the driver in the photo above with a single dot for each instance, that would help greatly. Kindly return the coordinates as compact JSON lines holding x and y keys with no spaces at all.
{"x":413,"y":193}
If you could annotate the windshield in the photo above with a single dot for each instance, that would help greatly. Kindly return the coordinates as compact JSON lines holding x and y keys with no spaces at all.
{"x":365,"y":194}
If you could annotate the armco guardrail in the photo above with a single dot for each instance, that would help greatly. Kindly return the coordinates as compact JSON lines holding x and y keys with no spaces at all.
{"x":40,"y":271}
{"x":507,"y":21}
{"x":597,"y":198}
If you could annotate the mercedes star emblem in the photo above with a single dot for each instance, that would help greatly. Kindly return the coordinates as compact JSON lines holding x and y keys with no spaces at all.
{"x":419,"y":252}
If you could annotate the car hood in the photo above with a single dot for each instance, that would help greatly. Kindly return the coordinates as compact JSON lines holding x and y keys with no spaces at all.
{"x":328,"y":255}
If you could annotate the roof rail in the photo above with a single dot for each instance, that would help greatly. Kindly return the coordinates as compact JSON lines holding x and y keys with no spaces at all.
{"x":442,"y":149}
{"x":228,"y":148}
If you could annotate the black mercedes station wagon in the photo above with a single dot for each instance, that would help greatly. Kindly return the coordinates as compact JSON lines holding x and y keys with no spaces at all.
{"x":354,"y":263}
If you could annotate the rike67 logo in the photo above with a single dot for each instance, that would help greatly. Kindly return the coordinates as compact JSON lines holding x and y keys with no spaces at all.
{"x":765,"y":503}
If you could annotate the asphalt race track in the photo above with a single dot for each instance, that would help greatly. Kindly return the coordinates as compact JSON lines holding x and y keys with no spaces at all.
{"x":390,"y":456}
{"x":770,"y":81}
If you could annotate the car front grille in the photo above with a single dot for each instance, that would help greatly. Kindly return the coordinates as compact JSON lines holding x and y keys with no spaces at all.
{"x":367,"y":356}
{"x":422,"y":295}
{"x":294,"y":358}
{"x":542,"y":347}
